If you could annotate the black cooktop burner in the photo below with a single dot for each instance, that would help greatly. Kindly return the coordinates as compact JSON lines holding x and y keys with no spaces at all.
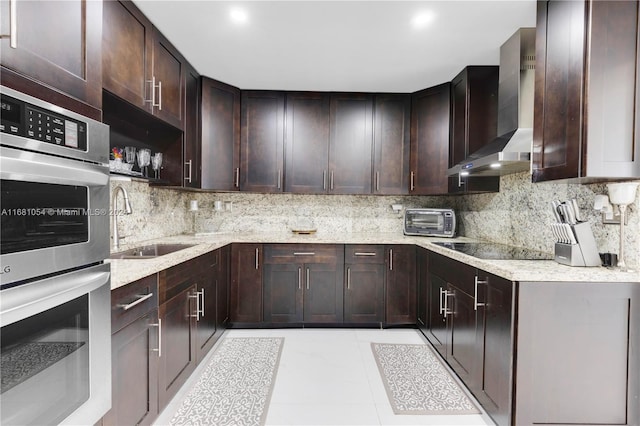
{"x":494,"y":251}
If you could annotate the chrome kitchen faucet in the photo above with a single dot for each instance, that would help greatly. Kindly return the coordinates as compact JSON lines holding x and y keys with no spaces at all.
{"x":128,"y":210}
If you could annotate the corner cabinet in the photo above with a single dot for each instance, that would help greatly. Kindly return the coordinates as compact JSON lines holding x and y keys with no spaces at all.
{"x":430,"y":129}
{"x":220,"y":124}
{"x":586,"y":91}
{"x":57,"y":44}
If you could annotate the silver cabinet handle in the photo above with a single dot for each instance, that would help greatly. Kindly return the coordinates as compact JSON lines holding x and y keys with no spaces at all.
{"x":141,"y":298}
{"x":304,"y":253}
{"x":196,"y":296}
{"x":257,"y":261}
{"x":331,"y":186}
{"x":475,"y":292}
{"x":159,"y":325}
{"x":364,"y":253}
{"x":202,"y":306}
{"x":412,"y":186}
{"x":308,"y":279}
{"x":279,"y":179}
{"x":299,"y":278}
{"x":377,"y":181}
{"x":13,"y":25}
{"x":152,"y":82}
{"x":324,"y":180}
{"x":159,"y":96}
{"x":446,"y":310}
{"x":236,"y":181}
{"x":441,"y":308}
{"x":348,"y":278}
{"x":460,"y":181}
{"x":391,"y":259}
{"x":190,"y":164}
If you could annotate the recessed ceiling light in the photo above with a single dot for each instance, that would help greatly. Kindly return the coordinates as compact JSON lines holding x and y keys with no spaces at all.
{"x":422,"y":19}
{"x":239,"y":16}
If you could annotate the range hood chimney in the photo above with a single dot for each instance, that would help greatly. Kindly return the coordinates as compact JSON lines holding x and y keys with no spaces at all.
{"x":510,"y":152}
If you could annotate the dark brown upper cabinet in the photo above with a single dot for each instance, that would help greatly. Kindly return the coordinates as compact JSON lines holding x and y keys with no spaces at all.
{"x":140,"y":65}
{"x":262,"y":141}
{"x":307,"y":142}
{"x":57,"y":43}
{"x":192,"y":143}
{"x":430,"y":128}
{"x":350,"y":144}
{"x":220,"y":136}
{"x":586,"y":91}
{"x":474,"y":123}
{"x":391,"y":144}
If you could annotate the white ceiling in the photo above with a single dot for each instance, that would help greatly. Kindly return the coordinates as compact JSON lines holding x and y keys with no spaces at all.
{"x":368,"y":46}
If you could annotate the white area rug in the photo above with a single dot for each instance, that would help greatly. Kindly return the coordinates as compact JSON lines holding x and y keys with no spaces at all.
{"x":417,"y":383}
{"x":236,"y":386}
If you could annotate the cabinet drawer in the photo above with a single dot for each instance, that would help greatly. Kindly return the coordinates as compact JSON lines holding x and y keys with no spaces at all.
{"x":453,"y":272}
{"x":132,"y":301}
{"x":174,"y":280}
{"x":301,"y":253}
{"x":363,"y":253}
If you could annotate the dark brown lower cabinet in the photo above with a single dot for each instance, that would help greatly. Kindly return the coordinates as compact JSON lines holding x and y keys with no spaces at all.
{"x":401,"y":300}
{"x":208,"y":328}
{"x":303,"y":283}
{"x":178,"y":360}
{"x":134,"y":354}
{"x":364,"y":288}
{"x":245,"y":298}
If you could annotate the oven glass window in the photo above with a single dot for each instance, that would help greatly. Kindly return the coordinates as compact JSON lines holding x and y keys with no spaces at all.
{"x":41,"y":215}
{"x":427,"y":221}
{"x":45,"y":365}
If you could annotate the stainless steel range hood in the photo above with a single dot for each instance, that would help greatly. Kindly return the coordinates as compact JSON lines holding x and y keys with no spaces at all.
{"x":511,"y":151}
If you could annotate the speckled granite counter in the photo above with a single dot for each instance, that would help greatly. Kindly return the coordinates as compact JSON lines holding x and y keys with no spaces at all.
{"x":124,"y":271}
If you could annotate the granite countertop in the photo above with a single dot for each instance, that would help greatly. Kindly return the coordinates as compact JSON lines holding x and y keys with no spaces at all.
{"x":125,"y":271}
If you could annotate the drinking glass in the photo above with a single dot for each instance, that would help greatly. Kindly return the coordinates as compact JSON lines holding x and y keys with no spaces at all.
{"x":144,"y":156}
{"x":130,"y":157}
{"x":156,"y":163}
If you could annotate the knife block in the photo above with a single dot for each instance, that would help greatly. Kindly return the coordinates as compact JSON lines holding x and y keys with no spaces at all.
{"x":584,"y":253}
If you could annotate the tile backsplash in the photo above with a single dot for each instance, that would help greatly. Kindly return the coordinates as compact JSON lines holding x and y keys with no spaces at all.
{"x":520,"y":214}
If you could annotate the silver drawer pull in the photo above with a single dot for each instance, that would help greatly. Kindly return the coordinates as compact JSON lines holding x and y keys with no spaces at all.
{"x":364,"y":253}
{"x":348,"y":278}
{"x":141,"y":298}
{"x":475,"y":292}
{"x":304,"y":253}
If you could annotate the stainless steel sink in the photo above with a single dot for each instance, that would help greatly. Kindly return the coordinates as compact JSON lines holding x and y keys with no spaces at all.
{"x":149,"y":251}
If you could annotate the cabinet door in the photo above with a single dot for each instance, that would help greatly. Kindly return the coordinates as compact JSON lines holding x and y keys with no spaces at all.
{"x":462,"y":352}
{"x":178,"y":360}
{"x":127,"y":37}
{"x":134,"y":371}
{"x":307,"y":147}
{"x":557,"y":133}
{"x":495,"y":314}
{"x":222,"y":307}
{"x":350,"y":146}
{"x":430,"y":118}
{"x":391,"y":144}
{"x":323,"y":293}
{"x":422,"y":276}
{"x":401,"y":284}
{"x":57,"y":43}
{"x":364,"y":293}
{"x":206,"y":312}
{"x":283,"y":293}
{"x":246,"y":283}
{"x":436,"y":320}
{"x":262,"y":141}
{"x":192,"y":151}
{"x":168,"y":72}
{"x":220,"y":136}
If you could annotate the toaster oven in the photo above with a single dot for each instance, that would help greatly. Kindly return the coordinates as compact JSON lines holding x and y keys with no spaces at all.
{"x":430,"y":222}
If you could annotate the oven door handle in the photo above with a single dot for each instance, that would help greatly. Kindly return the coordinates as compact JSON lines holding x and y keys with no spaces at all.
{"x":34,"y":167}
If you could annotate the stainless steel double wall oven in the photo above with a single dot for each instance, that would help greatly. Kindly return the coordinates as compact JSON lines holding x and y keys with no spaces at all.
{"x":54,"y":284}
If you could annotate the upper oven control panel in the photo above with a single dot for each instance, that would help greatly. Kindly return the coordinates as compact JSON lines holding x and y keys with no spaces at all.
{"x":24,"y":119}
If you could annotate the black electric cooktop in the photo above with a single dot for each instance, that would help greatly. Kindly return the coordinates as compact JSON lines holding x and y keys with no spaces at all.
{"x":494,"y":251}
